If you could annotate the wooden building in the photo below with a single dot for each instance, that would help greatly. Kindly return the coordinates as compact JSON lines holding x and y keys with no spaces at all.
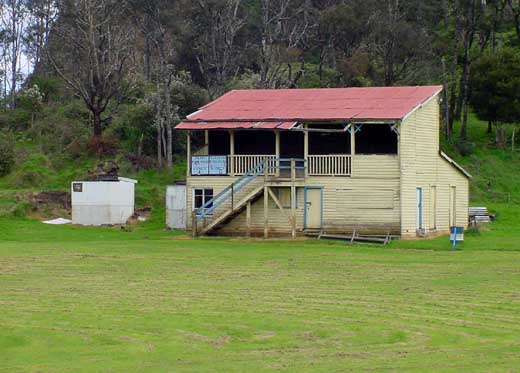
{"x":287,"y":162}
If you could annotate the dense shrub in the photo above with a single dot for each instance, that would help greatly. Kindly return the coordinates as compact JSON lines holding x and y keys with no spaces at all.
{"x":6,"y":153}
{"x":464,"y":147}
{"x":103,"y":146}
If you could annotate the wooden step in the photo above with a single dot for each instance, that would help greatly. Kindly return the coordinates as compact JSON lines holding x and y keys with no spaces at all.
{"x":231,"y":213}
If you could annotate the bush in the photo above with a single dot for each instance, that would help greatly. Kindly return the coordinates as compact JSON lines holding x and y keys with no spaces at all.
{"x":103,"y":146}
{"x":464,"y":147}
{"x":6,"y":153}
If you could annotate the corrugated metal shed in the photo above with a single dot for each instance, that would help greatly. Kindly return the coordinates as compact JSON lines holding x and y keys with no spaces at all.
{"x":103,"y":202}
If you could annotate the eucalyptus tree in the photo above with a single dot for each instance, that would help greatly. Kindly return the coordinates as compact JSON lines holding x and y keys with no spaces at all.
{"x":42,"y":15}
{"x":13,"y":16}
{"x":90,"y":51}
{"x":155,"y":20}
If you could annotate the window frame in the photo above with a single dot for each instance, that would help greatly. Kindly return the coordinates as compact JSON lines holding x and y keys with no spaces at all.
{"x":204,"y":196}
{"x":278,"y":193}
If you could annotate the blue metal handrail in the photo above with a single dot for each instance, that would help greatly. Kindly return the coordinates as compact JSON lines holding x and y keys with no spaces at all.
{"x":264,"y":166}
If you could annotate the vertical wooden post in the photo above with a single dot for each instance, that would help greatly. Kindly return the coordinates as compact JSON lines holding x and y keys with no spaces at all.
{"x":206,"y":138}
{"x":266,"y":211}
{"x":188,"y":154}
{"x":248,"y":218}
{"x":352,"y":146}
{"x":353,"y":139}
{"x":193,"y":224}
{"x":293,"y":198}
{"x":277,"y":146}
{"x":306,"y":151}
{"x":232,"y":152}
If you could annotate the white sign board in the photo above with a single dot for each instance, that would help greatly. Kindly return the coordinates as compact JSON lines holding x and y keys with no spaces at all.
{"x":218,"y":165}
{"x":200,"y":165}
{"x":209,"y":165}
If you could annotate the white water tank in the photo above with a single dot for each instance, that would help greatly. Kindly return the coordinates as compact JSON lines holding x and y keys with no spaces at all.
{"x":176,"y":206}
{"x":103,"y":202}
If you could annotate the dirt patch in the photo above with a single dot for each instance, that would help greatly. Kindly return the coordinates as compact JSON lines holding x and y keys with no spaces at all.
{"x":52,"y":198}
{"x":48,"y":204}
{"x":140,"y":215}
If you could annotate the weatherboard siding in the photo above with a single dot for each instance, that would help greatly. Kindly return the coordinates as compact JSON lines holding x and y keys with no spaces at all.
{"x":449,"y":176}
{"x":423,"y":167}
{"x":369,"y":201}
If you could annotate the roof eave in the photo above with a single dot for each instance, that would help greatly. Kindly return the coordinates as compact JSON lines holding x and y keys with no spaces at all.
{"x":425,"y":102}
{"x":455,"y":164}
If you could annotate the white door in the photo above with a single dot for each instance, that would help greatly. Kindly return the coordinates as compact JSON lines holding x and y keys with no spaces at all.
{"x":419,"y":214}
{"x":313,"y":208}
{"x":433,"y":207}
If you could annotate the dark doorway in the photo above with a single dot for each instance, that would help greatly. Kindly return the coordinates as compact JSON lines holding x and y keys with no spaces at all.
{"x":291,"y":144}
{"x":255,"y":142}
{"x":218,"y":143}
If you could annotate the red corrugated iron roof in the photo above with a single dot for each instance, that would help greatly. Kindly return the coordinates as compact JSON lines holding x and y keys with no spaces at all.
{"x":202,"y":125}
{"x":248,"y":108}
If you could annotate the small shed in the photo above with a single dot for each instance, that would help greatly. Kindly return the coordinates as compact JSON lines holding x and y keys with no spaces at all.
{"x":110,"y":202}
{"x":176,"y":206}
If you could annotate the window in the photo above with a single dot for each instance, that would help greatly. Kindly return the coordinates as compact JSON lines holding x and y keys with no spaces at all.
{"x":376,"y":139}
{"x":326,"y":143}
{"x":201,"y":197}
{"x":284,"y":196}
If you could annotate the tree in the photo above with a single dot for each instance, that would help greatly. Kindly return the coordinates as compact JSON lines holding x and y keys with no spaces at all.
{"x":97,"y":38}
{"x":13,"y":14}
{"x":495,"y":90}
{"x":154,"y":27}
{"x":42,"y":14}
{"x":215,"y":48}
{"x":514,"y":7}
{"x":284,"y":26}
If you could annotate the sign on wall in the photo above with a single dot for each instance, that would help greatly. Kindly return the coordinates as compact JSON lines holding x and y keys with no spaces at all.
{"x":209,"y":165}
{"x":218,"y":165}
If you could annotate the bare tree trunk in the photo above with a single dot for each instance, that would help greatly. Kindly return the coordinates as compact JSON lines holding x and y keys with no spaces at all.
{"x":454,"y":66}
{"x":169,"y":145}
{"x":453,"y":99}
{"x":98,"y":128}
{"x":500,"y":135}
{"x":140,"y":146}
{"x":446,"y":102}
{"x":515,"y":10}
{"x":464,"y":125}
{"x":163,"y":139}
{"x":464,"y":104}
{"x":159,"y":146}
{"x":147,"y":50}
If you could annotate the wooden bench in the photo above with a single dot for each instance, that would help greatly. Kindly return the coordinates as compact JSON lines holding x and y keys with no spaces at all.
{"x":478,"y":215}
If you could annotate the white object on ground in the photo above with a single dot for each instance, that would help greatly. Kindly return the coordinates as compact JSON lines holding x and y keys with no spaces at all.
{"x":59,"y":221}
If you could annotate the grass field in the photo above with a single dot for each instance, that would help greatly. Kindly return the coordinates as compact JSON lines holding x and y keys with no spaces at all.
{"x":98,"y":299}
{"x":87,"y":299}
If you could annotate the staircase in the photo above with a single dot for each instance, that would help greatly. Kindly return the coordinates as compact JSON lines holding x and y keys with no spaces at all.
{"x":230,"y":195}
{"x":233,"y":212}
